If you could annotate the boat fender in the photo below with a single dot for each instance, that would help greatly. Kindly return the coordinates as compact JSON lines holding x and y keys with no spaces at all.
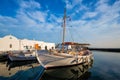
{"x":72,"y":53}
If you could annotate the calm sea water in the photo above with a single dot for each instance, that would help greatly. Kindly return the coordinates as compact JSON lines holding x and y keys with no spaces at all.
{"x":106,"y":66}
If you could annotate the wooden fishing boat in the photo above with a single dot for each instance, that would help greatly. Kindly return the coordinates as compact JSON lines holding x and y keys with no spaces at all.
{"x":68,"y":58}
{"x":66,"y":54}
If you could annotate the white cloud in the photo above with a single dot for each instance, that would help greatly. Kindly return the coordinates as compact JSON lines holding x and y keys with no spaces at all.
{"x":90,"y":15}
{"x":31,"y":12}
{"x":29,"y":4}
{"x":37,"y":15}
{"x":24,"y":19}
{"x":104,"y":30}
{"x":99,"y":32}
{"x":7,"y":23}
{"x":68,"y":4}
{"x":71,"y":4}
{"x":54,"y":18}
{"x":7,"y":20}
{"x":108,"y":14}
{"x":27,"y":19}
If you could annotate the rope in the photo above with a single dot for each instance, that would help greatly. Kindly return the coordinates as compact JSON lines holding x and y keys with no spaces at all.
{"x":71,"y":36}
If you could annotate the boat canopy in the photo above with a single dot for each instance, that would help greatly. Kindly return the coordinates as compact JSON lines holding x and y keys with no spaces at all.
{"x":74,"y":43}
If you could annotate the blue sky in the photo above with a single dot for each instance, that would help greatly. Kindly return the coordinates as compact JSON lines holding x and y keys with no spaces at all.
{"x":92,"y":21}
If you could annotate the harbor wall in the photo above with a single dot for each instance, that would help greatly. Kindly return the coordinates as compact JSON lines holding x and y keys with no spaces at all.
{"x":106,"y":49}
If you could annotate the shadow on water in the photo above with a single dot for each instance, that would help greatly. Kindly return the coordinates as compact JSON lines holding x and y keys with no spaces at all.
{"x":11,"y":65}
{"x":3,"y":57}
{"x":20,"y":70}
{"x":31,"y":70}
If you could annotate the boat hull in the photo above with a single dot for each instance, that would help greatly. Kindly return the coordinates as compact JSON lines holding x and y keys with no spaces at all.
{"x":62,"y":66}
{"x":17,"y":58}
{"x":67,"y":72}
{"x":49,"y":61}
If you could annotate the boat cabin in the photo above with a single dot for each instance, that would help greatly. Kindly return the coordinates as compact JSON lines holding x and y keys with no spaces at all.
{"x":71,"y":46}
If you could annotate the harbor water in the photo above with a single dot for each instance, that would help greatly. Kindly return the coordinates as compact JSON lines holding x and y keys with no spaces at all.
{"x":106,"y":66}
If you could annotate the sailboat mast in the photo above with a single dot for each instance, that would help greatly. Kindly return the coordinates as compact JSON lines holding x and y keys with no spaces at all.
{"x":64,"y":26}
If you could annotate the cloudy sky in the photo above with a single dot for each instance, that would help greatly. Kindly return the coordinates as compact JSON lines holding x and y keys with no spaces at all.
{"x":88,"y":21}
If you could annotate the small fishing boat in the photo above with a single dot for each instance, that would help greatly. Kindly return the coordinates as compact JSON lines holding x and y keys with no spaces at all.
{"x":3,"y":57}
{"x":20,"y":64}
{"x":22,"y":56}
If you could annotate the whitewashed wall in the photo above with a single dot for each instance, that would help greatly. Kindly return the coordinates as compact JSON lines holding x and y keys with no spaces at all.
{"x":6,"y":41}
{"x":19,"y":44}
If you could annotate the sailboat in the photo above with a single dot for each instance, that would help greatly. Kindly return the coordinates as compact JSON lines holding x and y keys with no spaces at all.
{"x":67,"y":54}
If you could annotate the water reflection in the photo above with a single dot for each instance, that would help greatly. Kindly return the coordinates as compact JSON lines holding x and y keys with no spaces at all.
{"x":19,"y":70}
{"x":31,"y":70}
{"x":11,"y":65}
{"x":68,"y":73}
{"x":106,"y":66}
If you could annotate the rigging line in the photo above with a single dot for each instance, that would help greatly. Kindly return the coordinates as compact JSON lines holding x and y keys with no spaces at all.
{"x":59,"y":35}
{"x":69,"y":31}
{"x":61,"y":32}
{"x":78,"y":35}
{"x":81,"y":37}
{"x":73,"y":38}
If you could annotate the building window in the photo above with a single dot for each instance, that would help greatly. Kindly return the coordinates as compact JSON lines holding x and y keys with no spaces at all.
{"x":45,"y":47}
{"x":26,"y":47}
{"x":30,"y":47}
{"x":10,"y":37}
{"x":10,"y":45}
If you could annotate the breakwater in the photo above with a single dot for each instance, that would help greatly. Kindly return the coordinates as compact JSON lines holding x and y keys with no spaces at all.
{"x":106,"y":49}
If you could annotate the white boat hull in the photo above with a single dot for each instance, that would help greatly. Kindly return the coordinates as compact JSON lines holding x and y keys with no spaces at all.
{"x":61,"y":60}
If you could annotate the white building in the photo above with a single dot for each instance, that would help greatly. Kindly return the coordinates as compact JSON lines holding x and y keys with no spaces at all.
{"x":10,"y":42}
